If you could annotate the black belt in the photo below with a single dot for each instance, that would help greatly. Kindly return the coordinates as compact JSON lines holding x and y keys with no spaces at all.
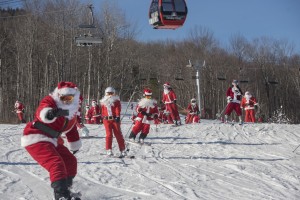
{"x":53,"y":133}
{"x":109,"y":117}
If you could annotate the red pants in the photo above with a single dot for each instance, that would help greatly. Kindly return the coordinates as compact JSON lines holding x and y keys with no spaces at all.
{"x":192,"y":119}
{"x":233,"y":106}
{"x":58,"y":161}
{"x":112,"y":127}
{"x":172,"y":108}
{"x":95,"y":120}
{"x":250,"y":115}
{"x":139,"y":126}
{"x":20,"y":116}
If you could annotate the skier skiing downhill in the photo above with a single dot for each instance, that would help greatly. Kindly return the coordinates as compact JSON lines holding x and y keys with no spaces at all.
{"x":249,"y":103}
{"x":111,"y":109}
{"x":147,"y":111}
{"x":20,"y":109}
{"x":56,"y":114}
{"x":234,"y":96}
{"x":193,"y":112}
{"x":169,"y":98}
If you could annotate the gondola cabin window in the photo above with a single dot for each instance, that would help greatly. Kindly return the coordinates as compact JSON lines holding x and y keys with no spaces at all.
{"x":167,"y":14}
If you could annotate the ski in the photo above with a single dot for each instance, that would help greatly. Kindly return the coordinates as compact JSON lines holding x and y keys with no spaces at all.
{"x":138,"y":143}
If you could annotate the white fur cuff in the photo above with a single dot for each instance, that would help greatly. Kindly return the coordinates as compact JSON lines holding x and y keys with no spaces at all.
{"x":74,"y":146}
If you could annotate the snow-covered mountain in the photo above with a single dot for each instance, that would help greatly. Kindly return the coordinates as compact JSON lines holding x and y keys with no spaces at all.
{"x":208,"y":160}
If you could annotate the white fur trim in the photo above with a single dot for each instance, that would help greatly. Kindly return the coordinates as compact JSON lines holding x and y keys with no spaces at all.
{"x":148,"y":93}
{"x":30,"y":139}
{"x":65,"y":90}
{"x":74,"y":146}
{"x":43,"y":114}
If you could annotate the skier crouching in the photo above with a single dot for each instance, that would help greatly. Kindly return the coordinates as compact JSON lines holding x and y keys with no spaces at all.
{"x":56,"y":114}
{"x":147,"y":111}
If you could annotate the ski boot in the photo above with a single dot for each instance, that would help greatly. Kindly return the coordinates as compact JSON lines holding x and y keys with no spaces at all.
{"x":142,"y":138}
{"x":61,"y":191}
{"x":132,"y":137}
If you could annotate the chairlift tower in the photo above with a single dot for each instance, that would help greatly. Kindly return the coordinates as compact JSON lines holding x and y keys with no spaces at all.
{"x":197,"y":67}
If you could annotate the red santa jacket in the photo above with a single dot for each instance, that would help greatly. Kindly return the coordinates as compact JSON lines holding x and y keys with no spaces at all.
{"x":169,"y":97}
{"x":235,"y":93}
{"x":150,"y":107}
{"x":248,"y":103}
{"x":95,"y":111}
{"x":19,"y":107}
{"x":193,"y":109}
{"x":63,"y":124}
{"x":110,"y":106}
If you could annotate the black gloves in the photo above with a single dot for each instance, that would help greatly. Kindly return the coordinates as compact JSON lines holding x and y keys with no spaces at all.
{"x":155,"y":116}
{"x":174,"y":101}
{"x":56,"y":112}
{"x":144,"y":112}
{"x":117,"y":119}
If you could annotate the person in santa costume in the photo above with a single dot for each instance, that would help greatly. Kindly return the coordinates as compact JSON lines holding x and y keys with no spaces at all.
{"x":20,"y":109}
{"x":82,"y":129}
{"x":95,"y":112}
{"x":147,"y":111}
{"x":193,"y":112}
{"x":111,"y":110}
{"x":169,"y":99}
{"x":56,"y":115}
{"x":88,"y":115}
{"x":249,"y":103}
{"x":234,"y":96}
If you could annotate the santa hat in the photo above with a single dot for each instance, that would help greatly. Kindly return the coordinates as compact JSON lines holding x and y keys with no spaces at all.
{"x":147,"y":92}
{"x":167,"y":85}
{"x":193,"y":100}
{"x":65,"y":88}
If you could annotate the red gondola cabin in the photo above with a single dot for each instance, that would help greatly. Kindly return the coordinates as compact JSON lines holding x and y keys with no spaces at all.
{"x":167,"y":14}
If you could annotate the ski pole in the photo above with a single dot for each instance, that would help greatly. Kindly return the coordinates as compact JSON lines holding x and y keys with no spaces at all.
{"x":296,"y":148}
{"x":134,"y":91}
{"x":219,"y":114}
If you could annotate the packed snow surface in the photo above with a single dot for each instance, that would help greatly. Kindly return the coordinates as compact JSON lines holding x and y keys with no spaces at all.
{"x":208,"y":160}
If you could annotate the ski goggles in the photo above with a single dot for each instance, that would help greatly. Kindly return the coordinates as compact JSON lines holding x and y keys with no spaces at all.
{"x":67,"y":98}
{"x":194,"y":101}
{"x":109,"y":93}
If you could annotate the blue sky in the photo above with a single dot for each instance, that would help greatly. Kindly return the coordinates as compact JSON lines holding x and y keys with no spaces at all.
{"x":278,"y":19}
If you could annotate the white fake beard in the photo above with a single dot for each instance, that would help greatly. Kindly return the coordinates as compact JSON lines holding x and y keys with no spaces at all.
{"x":248,"y":97}
{"x":109,"y":100}
{"x":147,"y":103}
{"x":166,"y":91}
{"x":73,"y":107}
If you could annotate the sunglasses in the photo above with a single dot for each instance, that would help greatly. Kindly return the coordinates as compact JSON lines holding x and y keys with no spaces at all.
{"x":148,"y":96}
{"x":109,"y":93}
{"x":193,"y":101}
{"x":67,"y":98}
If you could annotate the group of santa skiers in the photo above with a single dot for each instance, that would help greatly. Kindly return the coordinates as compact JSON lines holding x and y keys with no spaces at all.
{"x":59,"y":114}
